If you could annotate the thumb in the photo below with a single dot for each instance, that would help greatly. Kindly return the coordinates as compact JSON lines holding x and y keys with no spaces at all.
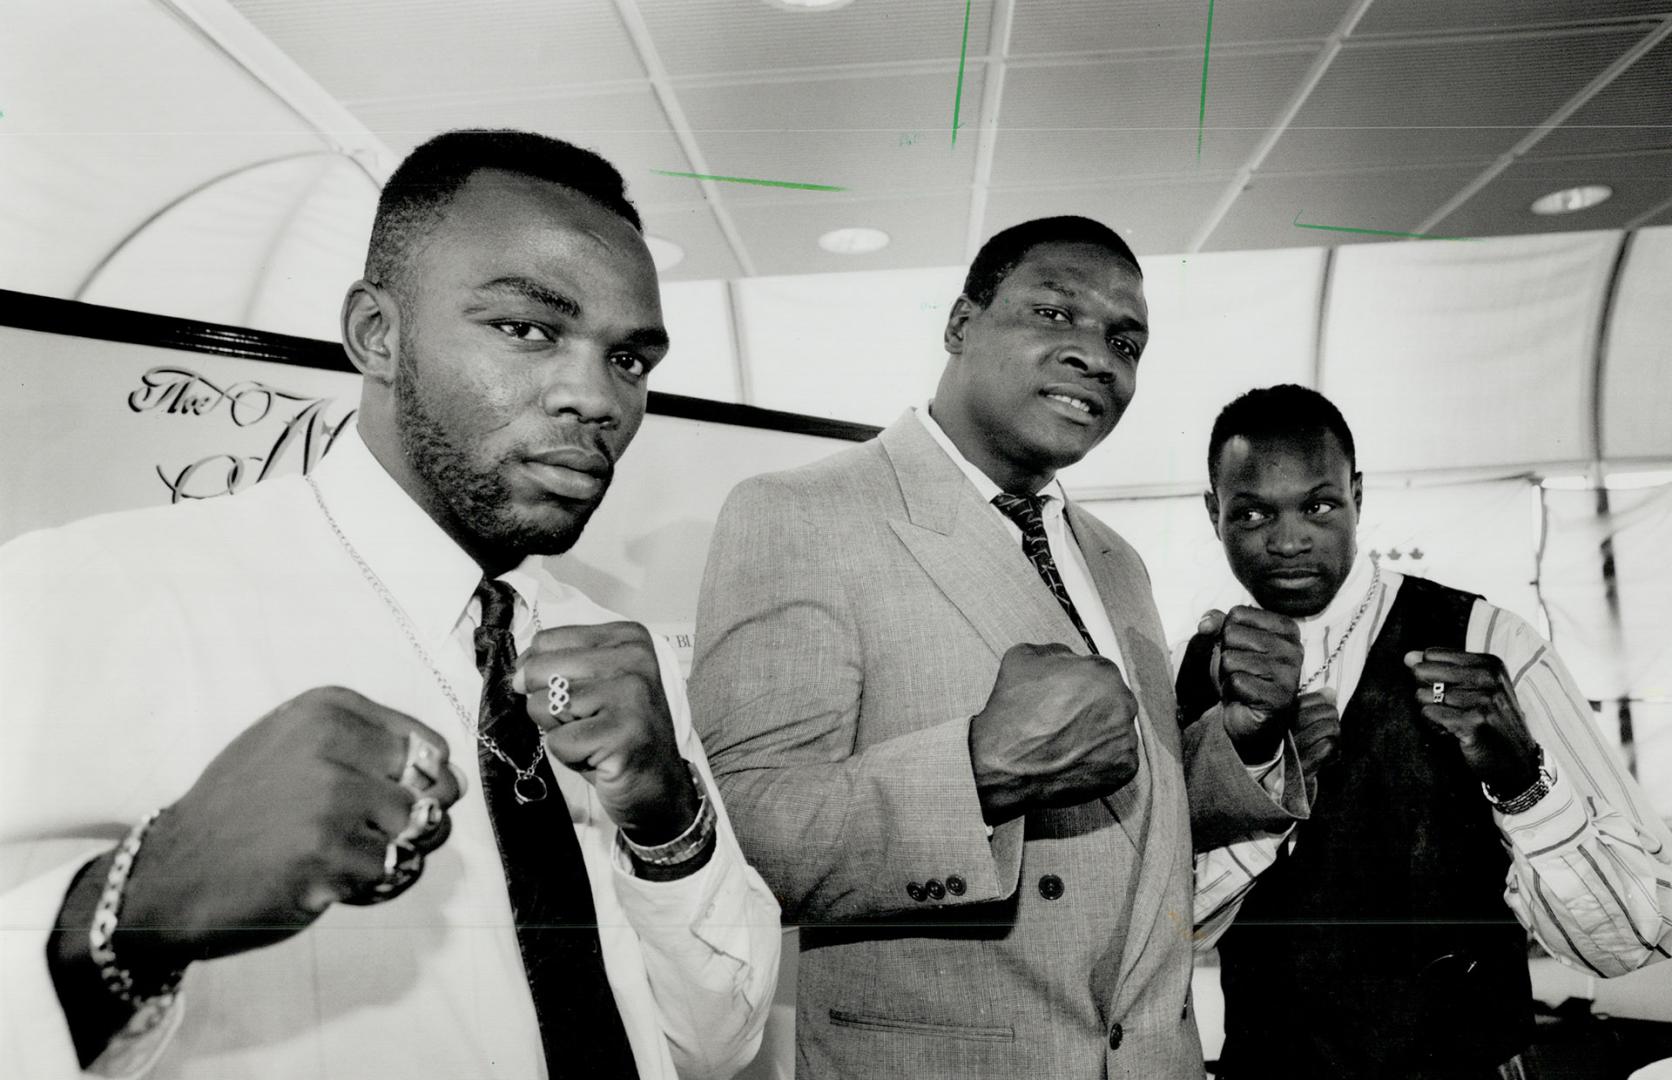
{"x":1210,"y":622}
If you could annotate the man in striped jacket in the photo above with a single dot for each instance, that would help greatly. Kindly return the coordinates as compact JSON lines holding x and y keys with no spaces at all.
{"x":1461,"y":794}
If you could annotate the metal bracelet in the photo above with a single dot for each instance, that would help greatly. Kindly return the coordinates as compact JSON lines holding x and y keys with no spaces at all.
{"x":1528,"y":799}
{"x":688,"y":844}
{"x":117,"y":979}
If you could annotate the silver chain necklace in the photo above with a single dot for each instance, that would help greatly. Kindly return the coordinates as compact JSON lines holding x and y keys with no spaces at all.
{"x":529,"y":776}
{"x":1364,"y":605}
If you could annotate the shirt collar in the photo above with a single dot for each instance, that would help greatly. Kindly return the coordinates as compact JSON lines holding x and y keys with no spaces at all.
{"x":1052,"y":492}
{"x":428,"y":574}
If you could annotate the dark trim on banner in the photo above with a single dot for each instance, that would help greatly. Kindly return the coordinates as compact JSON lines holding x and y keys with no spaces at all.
{"x":74,"y":318}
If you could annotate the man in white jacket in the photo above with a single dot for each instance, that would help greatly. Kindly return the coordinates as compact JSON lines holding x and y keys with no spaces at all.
{"x":363,"y":686}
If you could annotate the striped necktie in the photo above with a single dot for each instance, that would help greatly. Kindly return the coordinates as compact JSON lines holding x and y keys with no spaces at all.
{"x":1028,"y":512}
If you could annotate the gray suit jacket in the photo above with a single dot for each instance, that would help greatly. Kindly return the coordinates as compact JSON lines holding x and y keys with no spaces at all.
{"x":852,"y":618}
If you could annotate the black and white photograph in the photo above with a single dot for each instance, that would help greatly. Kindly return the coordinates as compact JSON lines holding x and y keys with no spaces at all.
{"x":836,"y":539}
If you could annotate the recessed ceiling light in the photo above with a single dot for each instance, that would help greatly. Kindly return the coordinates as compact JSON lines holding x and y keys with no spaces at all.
{"x":1571,"y":199}
{"x":809,"y":5}
{"x":664,"y":253}
{"x":853,"y":241}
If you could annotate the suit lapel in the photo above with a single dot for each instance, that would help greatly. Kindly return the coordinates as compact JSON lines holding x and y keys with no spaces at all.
{"x":1124,"y":589}
{"x":965,"y":549}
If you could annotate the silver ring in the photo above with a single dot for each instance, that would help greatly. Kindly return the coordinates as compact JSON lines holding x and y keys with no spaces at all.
{"x":557,"y":694}
{"x":422,"y":768}
{"x":425,"y":818}
{"x":1438,"y":693}
{"x":402,"y":863}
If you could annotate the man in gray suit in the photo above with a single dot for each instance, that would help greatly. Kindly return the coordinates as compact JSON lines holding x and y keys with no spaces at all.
{"x":939,"y":704}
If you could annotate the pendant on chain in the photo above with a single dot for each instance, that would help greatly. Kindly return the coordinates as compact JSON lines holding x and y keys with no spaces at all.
{"x":534,"y":792}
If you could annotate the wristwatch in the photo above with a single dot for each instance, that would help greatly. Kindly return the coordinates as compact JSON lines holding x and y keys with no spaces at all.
{"x":1525,"y":801}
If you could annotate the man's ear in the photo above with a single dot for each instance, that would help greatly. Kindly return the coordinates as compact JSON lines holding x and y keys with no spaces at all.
{"x":371,"y":330}
{"x":1358,"y":494}
{"x":962,"y":310}
{"x":1211,"y":501}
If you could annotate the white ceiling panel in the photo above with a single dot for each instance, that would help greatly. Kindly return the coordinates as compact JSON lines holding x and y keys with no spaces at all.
{"x":1637,"y":369}
{"x":891,"y":135}
{"x":783,"y":237}
{"x":1640,"y":183}
{"x":1432,"y":102}
{"x":705,"y":37}
{"x":1138,"y":116}
{"x":702,"y":361}
{"x":693,"y":228}
{"x":1071,"y":26}
{"x":1270,"y":211}
{"x":1634,"y":112}
{"x":627,"y":126}
{"x":417,"y":48}
{"x":1434,"y":16}
{"x":1485,"y":360}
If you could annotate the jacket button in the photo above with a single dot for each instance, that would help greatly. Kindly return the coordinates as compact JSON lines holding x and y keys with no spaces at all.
{"x":1116,"y":1034}
{"x":955,"y":885}
{"x":915,"y":891}
{"x":935,"y":889}
{"x":1050,"y":887}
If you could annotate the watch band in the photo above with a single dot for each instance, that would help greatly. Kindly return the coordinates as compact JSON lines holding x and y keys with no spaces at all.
{"x":1529,"y":798}
{"x":688,"y":844}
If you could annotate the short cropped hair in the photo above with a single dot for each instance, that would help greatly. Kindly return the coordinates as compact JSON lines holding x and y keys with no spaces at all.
{"x":1005,"y":250}
{"x":1277,"y":412}
{"x":417,"y":195}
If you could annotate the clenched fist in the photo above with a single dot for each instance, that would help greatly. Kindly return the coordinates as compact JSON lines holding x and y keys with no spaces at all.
{"x":297,"y":812}
{"x":1256,"y":668}
{"x":1058,"y":729}
{"x":615,"y":729}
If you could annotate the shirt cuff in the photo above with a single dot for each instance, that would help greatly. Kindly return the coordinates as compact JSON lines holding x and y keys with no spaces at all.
{"x":1554,"y":820}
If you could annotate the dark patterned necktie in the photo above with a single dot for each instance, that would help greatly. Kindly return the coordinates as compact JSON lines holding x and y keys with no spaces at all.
{"x":551,"y":898}
{"x":1028,"y":512}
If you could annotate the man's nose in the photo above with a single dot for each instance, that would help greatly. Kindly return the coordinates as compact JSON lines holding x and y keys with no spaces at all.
{"x":1288,"y":537}
{"x":581,"y":385}
{"x":1091,"y":356}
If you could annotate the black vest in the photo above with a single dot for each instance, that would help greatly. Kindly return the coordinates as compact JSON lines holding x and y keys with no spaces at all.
{"x":1381,"y":947}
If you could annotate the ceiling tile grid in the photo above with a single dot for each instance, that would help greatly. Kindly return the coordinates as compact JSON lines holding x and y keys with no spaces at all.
{"x":1069,"y":26}
{"x":1640,"y":182}
{"x":1433,"y":102}
{"x":1271,"y":210}
{"x":706,"y":37}
{"x":1438,"y":16}
{"x":890,"y":135}
{"x":1155,"y":217}
{"x":783,"y":237}
{"x":1634,"y":112}
{"x":1137,"y":116}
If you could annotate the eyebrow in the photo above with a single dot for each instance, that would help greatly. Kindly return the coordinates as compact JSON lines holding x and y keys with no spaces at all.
{"x":1126,"y":323}
{"x":646,"y":337}
{"x":529,"y":289}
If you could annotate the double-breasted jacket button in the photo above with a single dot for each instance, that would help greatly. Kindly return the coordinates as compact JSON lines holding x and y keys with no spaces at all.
{"x":915,"y":891}
{"x":1051,"y":887}
{"x":935,"y":889}
{"x":955,"y":885}
{"x":1116,"y":1034}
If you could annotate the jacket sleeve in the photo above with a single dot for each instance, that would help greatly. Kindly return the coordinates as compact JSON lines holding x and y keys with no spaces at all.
{"x":838,"y":832}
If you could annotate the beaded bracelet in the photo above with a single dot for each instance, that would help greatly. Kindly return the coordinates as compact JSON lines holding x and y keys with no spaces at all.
{"x":119,"y":980}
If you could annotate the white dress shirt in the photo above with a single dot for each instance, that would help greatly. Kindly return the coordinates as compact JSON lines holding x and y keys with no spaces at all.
{"x":1591,"y":864}
{"x":136,"y":646}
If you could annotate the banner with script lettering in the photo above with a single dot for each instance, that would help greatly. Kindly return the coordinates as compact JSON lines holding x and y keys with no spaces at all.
{"x":88,"y":427}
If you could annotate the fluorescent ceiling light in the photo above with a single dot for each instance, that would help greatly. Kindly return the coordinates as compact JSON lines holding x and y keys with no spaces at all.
{"x":1571,"y":199}
{"x":853,"y":241}
{"x":664,"y":253}
{"x":809,"y":5}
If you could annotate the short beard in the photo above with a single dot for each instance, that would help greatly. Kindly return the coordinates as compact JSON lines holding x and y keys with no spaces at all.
{"x":470,"y":502}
